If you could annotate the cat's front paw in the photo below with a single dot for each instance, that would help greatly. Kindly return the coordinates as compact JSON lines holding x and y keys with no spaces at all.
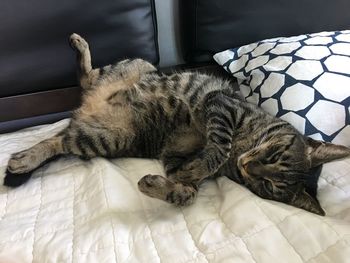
{"x":77,"y":42}
{"x":182,"y":195}
{"x":190,"y":173}
{"x":157,"y":186}
{"x":153,"y":186}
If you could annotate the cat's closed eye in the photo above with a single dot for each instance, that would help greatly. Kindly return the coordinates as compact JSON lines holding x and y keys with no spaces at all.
{"x":272,"y":158}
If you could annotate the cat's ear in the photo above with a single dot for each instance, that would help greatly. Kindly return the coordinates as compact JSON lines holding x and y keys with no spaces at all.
{"x":307,"y":202}
{"x":323,"y":152}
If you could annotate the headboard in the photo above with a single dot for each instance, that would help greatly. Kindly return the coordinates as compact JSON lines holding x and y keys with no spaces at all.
{"x":37,"y":66}
{"x":212,"y":26}
{"x":35,"y":54}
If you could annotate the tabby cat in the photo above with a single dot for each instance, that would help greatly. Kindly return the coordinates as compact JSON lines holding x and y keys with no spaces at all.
{"x":194,"y":123}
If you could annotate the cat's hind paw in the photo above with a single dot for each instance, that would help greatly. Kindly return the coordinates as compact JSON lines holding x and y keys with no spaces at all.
{"x":22,"y":162}
{"x":20,"y":168}
{"x":77,"y":42}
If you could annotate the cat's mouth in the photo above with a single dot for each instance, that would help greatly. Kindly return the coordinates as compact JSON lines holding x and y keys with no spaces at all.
{"x":249,"y":167}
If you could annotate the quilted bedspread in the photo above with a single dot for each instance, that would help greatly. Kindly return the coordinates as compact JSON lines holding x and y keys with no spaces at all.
{"x":91,"y":211}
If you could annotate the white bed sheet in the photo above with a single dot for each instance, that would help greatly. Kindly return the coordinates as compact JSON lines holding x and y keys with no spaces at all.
{"x":91,"y":211}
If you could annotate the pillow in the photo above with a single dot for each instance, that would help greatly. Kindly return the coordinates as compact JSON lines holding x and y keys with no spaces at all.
{"x":304,"y":80}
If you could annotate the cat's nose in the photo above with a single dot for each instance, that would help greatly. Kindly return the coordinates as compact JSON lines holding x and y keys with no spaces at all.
{"x":245,"y":165}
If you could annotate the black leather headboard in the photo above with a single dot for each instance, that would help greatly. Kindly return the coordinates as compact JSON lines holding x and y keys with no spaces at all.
{"x":213,"y":26}
{"x":34,"y":50}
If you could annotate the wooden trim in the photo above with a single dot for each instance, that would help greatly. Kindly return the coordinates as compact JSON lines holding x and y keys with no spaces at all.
{"x":14,"y":125}
{"x":39,"y":103}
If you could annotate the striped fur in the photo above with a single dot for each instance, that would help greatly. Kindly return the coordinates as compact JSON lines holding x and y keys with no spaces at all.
{"x":192,"y":122}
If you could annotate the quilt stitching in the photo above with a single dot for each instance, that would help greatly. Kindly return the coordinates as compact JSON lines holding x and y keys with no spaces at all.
{"x":73,"y":217}
{"x":245,"y":235}
{"x":42,"y":233}
{"x":148,"y":225}
{"x":335,"y":186}
{"x":37,"y":216}
{"x":280,"y":230}
{"x":161,"y":171}
{"x":229,"y":229}
{"x":111,"y":220}
{"x":6,"y":204}
{"x":243,"y":241}
{"x":324,"y":251}
{"x":345,"y":209}
{"x":335,"y":231}
{"x":306,"y":228}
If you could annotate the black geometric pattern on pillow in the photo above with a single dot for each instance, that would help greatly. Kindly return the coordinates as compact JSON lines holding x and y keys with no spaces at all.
{"x":304,"y":80}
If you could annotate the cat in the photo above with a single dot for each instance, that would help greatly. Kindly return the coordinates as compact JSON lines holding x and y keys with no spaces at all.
{"x":194,"y":123}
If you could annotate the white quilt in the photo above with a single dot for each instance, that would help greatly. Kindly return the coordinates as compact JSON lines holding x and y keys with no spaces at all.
{"x":91,"y":211}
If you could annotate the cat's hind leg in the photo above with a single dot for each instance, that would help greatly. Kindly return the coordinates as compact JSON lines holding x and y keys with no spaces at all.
{"x":22,"y":164}
{"x":88,"y":77}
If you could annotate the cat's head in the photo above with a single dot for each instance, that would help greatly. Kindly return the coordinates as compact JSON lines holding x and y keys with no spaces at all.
{"x":286,"y":167}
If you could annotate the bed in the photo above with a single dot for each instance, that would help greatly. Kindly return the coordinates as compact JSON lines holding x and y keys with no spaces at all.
{"x":91,"y":211}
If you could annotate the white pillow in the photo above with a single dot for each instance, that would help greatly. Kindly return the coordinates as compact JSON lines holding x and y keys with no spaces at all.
{"x":304,"y":80}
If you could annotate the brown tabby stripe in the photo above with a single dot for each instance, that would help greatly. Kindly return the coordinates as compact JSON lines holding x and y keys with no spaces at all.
{"x":105,"y":145}
{"x":219,"y":122}
{"x":152,"y":88}
{"x":139,"y":105}
{"x":194,"y":97}
{"x":211,"y":95}
{"x":172,"y":101}
{"x":274,"y":127}
{"x":218,"y":138}
{"x":213,"y":115}
{"x":143,"y":86}
{"x":178,"y":113}
{"x":79,"y":142}
{"x":211,"y":163}
{"x":176,"y":78}
{"x":113,"y":95}
{"x":241,"y":120}
{"x":188,"y":197}
{"x":170,"y":197}
{"x":189,"y":84}
{"x":101,"y":71}
{"x":90,"y":142}
{"x":224,"y":131}
{"x":221,"y":113}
